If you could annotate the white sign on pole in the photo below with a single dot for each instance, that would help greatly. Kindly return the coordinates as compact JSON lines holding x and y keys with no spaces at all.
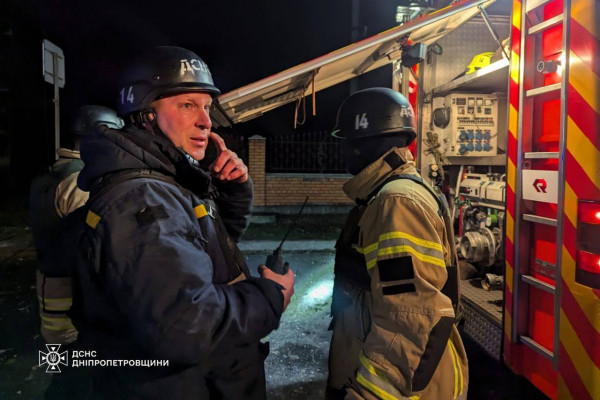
{"x":540,"y":185}
{"x":50,"y":51}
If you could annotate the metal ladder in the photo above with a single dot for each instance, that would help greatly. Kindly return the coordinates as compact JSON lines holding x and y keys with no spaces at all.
{"x":531,"y":29}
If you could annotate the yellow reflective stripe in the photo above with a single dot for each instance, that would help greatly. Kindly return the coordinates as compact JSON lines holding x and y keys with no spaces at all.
{"x":405,"y":250}
{"x":200,"y":211}
{"x":400,"y":235}
{"x":56,"y":300}
{"x":55,"y":304}
{"x":377,"y":391}
{"x":369,"y":367}
{"x":458,"y":377}
{"x":58,"y":328}
{"x":400,"y":244}
{"x":415,"y":240}
{"x":55,"y":319}
{"x":92,"y":219}
{"x":56,"y":323}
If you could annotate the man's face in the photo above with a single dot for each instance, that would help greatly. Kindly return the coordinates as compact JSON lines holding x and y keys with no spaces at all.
{"x":185,"y":120}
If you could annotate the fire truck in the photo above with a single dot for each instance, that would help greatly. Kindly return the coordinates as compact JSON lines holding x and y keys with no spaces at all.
{"x":509,"y":127}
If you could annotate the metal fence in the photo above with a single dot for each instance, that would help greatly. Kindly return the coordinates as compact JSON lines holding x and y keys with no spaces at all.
{"x":307,"y":152}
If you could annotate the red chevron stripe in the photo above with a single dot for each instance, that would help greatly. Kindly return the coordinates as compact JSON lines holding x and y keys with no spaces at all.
{"x":585,"y":45}
{"x":514,"y":94}
{"x":580,"y":182}
{"x":508,"y":302}
{"x":590,"y":339}
{"x":571,"y":377}
{"x":586,"y":118}
{"x":512,"y":148}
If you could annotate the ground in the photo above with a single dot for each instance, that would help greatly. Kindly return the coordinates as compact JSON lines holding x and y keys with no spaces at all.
{"x":297,"y":365}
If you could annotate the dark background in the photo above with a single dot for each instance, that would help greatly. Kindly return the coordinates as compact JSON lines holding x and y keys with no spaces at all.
{"x":241,"y":41}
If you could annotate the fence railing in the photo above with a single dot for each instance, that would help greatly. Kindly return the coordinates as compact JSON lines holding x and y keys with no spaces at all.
{"x":309,"y":152}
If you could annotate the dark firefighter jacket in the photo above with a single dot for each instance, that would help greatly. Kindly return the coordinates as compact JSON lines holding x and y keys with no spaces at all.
{"x":156,"y":282}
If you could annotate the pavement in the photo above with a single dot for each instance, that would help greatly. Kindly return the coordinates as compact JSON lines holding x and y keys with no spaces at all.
{"x":288,"y":245}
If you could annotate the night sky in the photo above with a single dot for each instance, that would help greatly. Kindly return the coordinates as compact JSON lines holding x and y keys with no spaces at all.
{"x":241,"y":41}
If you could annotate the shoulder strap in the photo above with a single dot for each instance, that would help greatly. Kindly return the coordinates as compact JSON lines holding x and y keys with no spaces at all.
{"x":440,"y":199}
{"x":235,"y":258}
{"x":115,"y":179}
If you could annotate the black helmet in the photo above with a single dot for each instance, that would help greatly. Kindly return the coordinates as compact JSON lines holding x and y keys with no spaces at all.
{"x":88,"y":118}
{"x":374,"y":112}
{"x":164,"y":71}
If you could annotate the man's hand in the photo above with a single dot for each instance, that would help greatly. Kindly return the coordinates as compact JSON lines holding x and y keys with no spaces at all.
{"x":286,"y":280}
{"x":227,"y":166}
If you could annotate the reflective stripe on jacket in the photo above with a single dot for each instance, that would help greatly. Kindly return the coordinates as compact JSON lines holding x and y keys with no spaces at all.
{"x":413,"y":349}
{"x":53,"y":196}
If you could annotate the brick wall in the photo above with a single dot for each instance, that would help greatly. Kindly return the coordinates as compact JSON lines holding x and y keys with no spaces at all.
{"x":289,"y":189}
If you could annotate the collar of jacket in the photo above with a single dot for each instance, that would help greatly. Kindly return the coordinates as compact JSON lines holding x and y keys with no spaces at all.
{"x":395,"y":161}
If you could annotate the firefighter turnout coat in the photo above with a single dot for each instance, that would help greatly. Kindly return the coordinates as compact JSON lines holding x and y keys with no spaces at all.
{"x":53,"y":196}
{"x":412,"y":348}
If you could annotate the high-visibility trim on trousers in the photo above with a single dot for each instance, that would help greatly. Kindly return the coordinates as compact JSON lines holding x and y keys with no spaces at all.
{"x":458,"y":375}
{"x":56,"y":323}
{"x":374,"y":381}
{"x":61,"y":304}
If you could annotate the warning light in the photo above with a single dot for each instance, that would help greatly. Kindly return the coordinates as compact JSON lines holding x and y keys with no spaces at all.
{"x":589,"y":213}
{"x":588,"y":262}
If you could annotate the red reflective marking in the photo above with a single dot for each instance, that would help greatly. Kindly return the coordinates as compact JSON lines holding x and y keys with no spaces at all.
{"x":584,"y":116}
{"x":585,"y":331}
{"x":570,"y":377}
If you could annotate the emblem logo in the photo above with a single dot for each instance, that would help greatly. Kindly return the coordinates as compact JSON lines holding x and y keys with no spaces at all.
{"x":53,"y":358}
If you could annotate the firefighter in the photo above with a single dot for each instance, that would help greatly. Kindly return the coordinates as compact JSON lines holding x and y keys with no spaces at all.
{"x":53,"y":196}
{"x":162,"y":280}
{"x":395,"y":289}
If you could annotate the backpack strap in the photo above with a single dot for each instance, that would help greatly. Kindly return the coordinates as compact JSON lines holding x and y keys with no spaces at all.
{"x":234,"y":258}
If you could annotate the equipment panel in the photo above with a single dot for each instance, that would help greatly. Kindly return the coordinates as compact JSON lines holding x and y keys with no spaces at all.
{"x":467,"y":124}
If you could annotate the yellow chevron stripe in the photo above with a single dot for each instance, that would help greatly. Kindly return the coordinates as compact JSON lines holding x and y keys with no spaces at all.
{"x":509,"y":276}
{"x":511,"y":177}
{"x":510,"y":227}
{"x":584,"y":296}
{"x":516,"y":18}
{"x":513,"y":121}
{"x":568,"y":269}
{"x":587,"y":14}
{"x":514,"y":67}
{"x":585,"y":367}
{"x":581,"y":77}
{"x":563,"y":390}
{"x":570,"y":204}
{"x":587,"y":155}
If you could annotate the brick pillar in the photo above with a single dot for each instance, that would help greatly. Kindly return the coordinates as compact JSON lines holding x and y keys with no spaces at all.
{"x":256,"y":168}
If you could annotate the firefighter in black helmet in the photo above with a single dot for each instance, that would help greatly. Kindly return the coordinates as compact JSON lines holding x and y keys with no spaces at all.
{"x":395,"y":288}
{"x":162,"y":280}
